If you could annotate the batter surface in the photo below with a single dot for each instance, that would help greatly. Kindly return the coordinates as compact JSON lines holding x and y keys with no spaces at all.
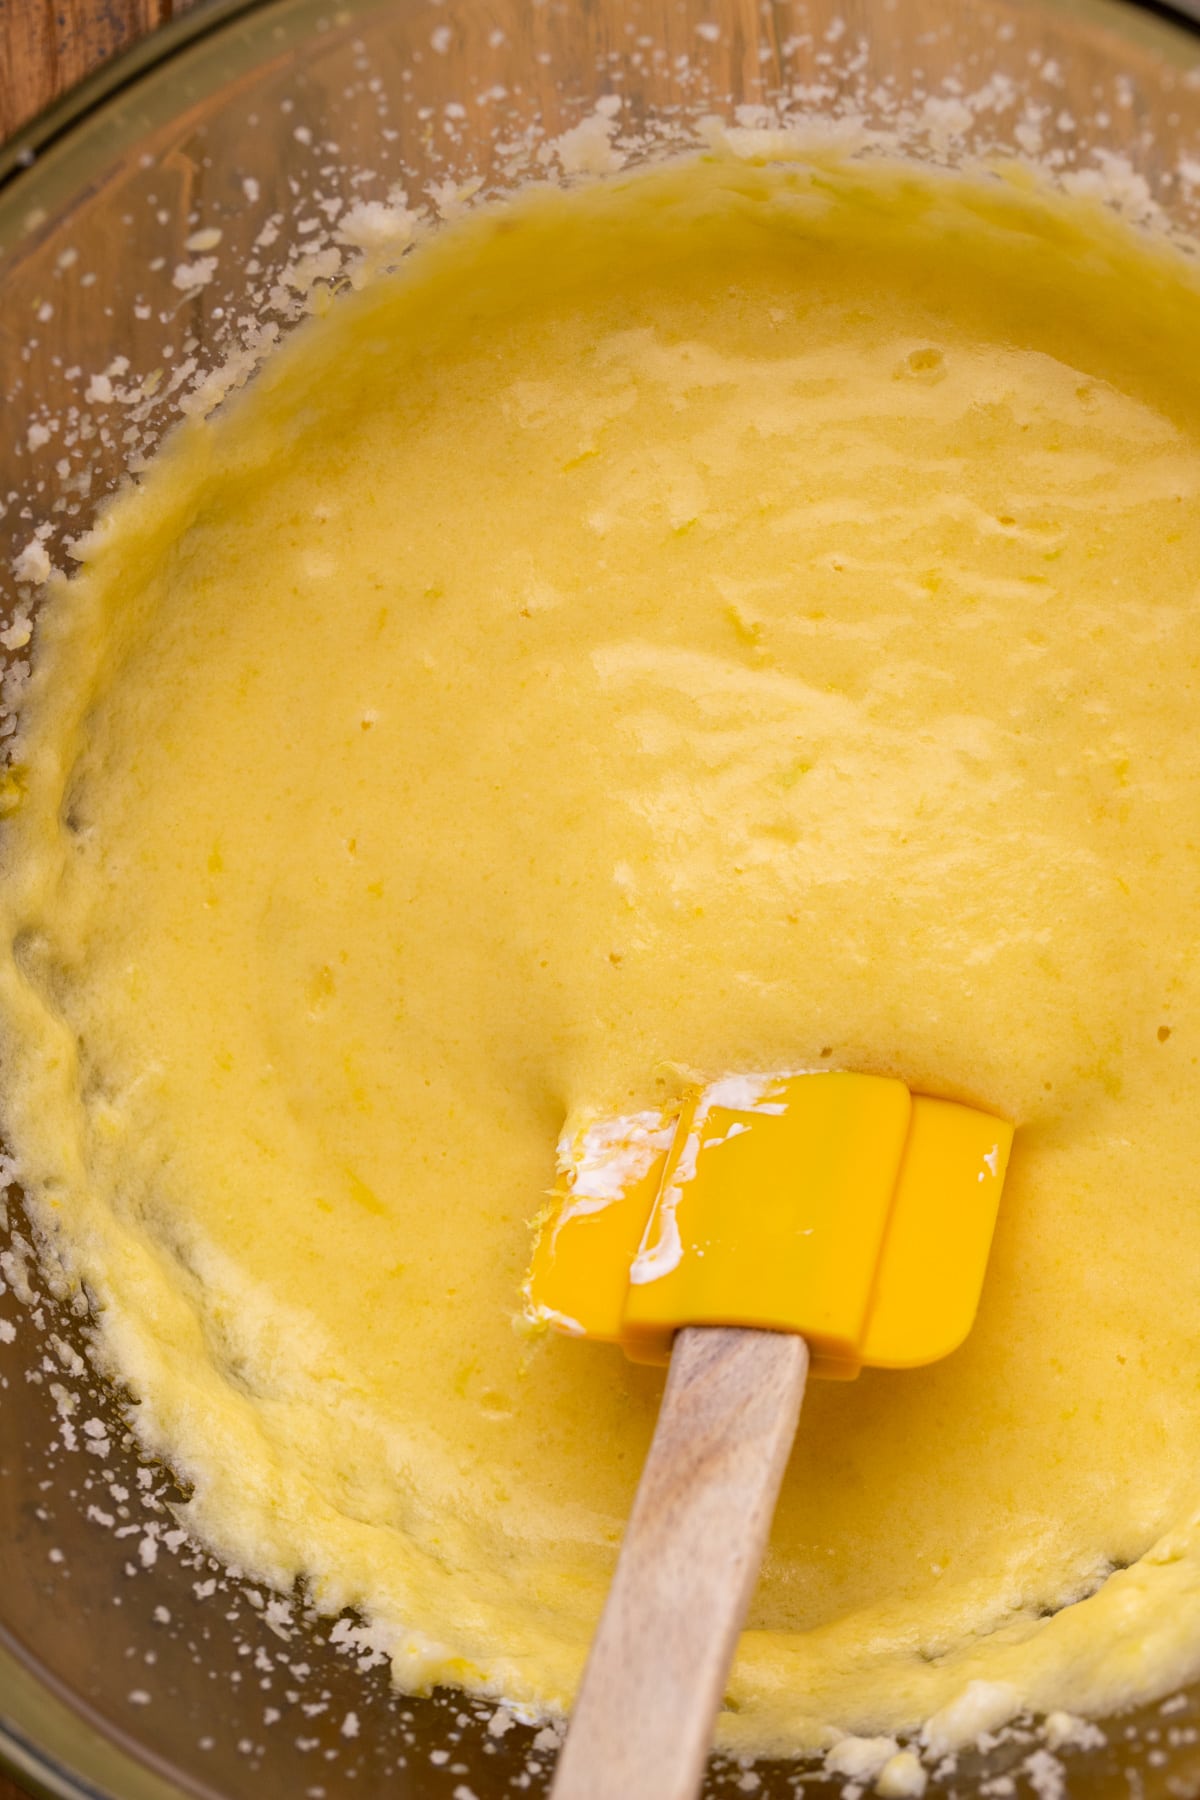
{"x":724,"y":618}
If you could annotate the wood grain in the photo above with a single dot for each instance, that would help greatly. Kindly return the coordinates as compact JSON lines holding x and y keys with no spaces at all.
{"x":46,"y":46}
{"x":643,"y":1722}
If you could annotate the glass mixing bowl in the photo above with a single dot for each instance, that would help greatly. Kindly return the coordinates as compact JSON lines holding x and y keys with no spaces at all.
{"x":158,"y":230}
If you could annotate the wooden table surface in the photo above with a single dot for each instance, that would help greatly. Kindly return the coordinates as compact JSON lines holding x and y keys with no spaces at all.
{"x":46,"y":46}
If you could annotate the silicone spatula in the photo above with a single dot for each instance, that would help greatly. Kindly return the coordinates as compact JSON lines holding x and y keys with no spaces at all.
{"x":766,"y":1228}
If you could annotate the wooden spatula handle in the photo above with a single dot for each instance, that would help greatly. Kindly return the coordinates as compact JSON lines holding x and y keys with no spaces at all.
{"x":643,"y":1721}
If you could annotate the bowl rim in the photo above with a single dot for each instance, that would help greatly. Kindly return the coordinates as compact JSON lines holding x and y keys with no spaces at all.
{"x":56,"y":1749}
{"x":39,"y":1769}
{"x":207,"y":17}
{"x":127,"y":66}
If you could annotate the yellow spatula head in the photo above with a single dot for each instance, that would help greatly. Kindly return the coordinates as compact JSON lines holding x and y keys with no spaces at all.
{"x":838,"y":1206}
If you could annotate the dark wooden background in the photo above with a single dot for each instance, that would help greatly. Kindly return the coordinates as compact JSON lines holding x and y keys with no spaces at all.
{"x":48,"y":45}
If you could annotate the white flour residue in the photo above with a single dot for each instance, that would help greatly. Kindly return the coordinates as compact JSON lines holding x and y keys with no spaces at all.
{"x":379,"y":230}
{"x":982,"y":1706}
{"x":746,"y":1093}
{"x":599,"y":1163}
{"x":32,"y":564}
{"x":661,"y":1249}
{"x":902,"y":1777}
{"x":190,"y":276}
{"x":860,"y":1758}
{"x":606,"y":1158}
{"x":561,"y":1321}
{"x":1064,"y":1730}
{"x":588,"y":148}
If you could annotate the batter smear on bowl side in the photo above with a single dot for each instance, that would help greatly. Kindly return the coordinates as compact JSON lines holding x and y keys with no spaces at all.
{"x":724,"y":617}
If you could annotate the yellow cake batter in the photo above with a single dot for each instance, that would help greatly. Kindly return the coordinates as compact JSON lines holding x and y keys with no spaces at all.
{"x":725,"y":618}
